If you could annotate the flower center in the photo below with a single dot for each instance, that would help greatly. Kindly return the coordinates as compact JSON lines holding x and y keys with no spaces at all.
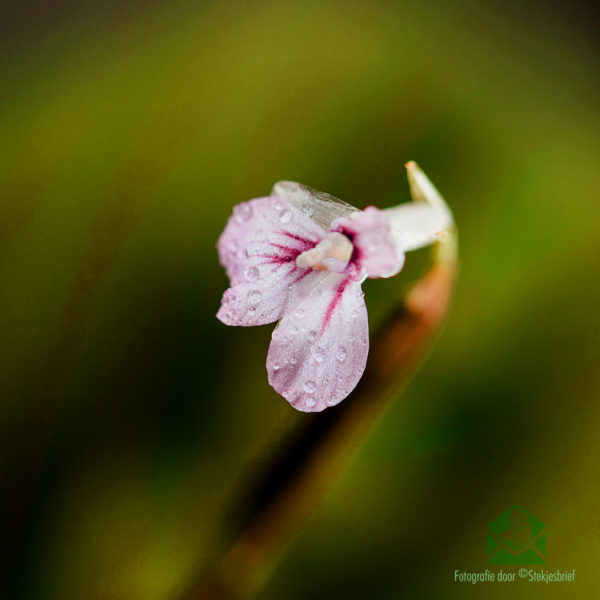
{"x":332,"y":253}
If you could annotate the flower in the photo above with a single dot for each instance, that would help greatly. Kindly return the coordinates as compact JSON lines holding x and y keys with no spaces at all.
{"x":299,"y":257}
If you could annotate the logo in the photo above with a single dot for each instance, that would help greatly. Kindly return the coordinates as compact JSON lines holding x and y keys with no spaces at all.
{"x":516,"y":537}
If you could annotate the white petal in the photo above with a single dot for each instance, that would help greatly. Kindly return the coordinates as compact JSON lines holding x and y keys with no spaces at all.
{"x":422,"y":222}
{"x":321,"y":207}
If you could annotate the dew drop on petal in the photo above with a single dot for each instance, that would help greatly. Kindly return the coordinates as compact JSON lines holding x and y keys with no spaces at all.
{"x":278,"y":205}
{"x":242,"y":213}
{"x":308,"y":210}
{"x":310,"y":387}
{"x":285,"y":216}
{"x":253,"y":297}
{"x":312,"y":336}
{"x":275,"y":366}
{"x":294,"y":330}
{"x":318,"y":353}
{"x":252,"y":310}
{"x":310,"y":402}
{"x":355,"y":313}
{"x":251,"y":273}
{"x":341,"y":353}
{"x":300,"y":313}
{"x":293,"y":360}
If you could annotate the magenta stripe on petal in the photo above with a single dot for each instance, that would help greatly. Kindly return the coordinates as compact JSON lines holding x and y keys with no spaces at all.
{"x":258,"y":248}
{"x":319,"y":350}
{"x":339,"y":291}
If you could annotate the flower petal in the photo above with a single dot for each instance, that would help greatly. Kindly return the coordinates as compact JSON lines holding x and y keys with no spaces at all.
{"x":264,"y":225}
{"x":376,"y":250}
{"x":416,"y":224}
{"x":422,"y":222}
{"x":259,"y":248}
{"x":267,"y":299}
{"x":321,"y":207}
{"x":319,"y":349}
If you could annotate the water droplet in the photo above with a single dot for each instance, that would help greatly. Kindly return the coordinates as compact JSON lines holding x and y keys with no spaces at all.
{"x":355,"y":313}
{"x":293,"y":360}
{"x":285,"y":216}
{"x":312,"y":336}
{"x":242,"y":213}
{"x":253,"y":297}
{"x":308,"y":210}
{"x":300,"y":313}
{"x":251,"y":273}
{"x":275,"y":366}
{"x":278,"y":205}
{"x":318,"y":353}
{"x":252,"y":310}
{"x":341,"y":353}
{"x":364,"y":341}
{"x":310,"y":402}
{"x":310,"y":387}
{"x":294,"y":330}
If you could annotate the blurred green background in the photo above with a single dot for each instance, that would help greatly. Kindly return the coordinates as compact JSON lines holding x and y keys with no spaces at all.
{"x":131,"y":418}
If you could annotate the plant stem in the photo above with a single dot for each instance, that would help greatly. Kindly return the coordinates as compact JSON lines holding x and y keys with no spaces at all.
{"x":305,"y":469}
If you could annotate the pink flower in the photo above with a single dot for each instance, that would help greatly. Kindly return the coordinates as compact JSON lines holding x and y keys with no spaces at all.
{"x":299,"y":257}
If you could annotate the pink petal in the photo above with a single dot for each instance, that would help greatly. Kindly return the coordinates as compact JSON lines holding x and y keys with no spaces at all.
{"x":264,"y":225}
{"x":376,"y":252}
{"x":258,"y":248}
{"x":319,"y":349}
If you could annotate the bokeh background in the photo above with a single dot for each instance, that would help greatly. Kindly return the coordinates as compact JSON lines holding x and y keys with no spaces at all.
{"x":131,"y":419}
